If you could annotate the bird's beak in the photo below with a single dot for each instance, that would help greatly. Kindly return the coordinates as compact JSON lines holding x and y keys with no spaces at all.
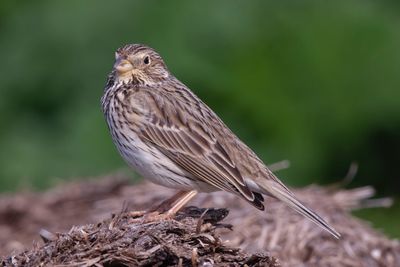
{"x":123,"y":65}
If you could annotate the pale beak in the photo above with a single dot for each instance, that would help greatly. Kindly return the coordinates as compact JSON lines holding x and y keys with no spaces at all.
{"x":123,"y":66}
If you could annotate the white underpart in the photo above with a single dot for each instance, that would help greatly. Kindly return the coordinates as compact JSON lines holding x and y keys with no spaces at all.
{"x":149,"y":161}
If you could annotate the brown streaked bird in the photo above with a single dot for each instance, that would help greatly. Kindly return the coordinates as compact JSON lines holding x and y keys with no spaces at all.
{"x":168,"y":135}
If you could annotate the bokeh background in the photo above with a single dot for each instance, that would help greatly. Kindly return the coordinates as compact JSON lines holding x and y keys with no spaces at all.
{"x":314,"y":82}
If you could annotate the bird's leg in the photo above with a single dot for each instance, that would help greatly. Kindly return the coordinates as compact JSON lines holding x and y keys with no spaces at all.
{"x":181,"y":202}
{"x":159,"y":208}
{"x":168,"y":208}
{"x":168,"y":203}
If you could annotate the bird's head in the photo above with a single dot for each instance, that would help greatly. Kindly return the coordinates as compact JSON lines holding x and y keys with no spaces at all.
{"x":139,"y":64}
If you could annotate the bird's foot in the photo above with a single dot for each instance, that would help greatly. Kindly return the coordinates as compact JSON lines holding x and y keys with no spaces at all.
{"x":137,"y":213}
{"x":149,"y":217}
{"x":164,"y":211}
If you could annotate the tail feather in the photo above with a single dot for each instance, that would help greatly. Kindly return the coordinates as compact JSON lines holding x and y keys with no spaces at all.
{"x":282,"y":193}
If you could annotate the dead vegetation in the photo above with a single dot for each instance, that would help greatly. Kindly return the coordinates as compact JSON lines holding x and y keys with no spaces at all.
{"x":189,"y":240}
{"x":285,"y":235}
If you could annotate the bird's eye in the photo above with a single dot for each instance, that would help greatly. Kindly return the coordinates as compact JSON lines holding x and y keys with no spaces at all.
{"x":146,"y":60}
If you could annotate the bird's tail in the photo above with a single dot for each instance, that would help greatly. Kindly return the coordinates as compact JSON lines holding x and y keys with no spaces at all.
{"x":281,"y":192}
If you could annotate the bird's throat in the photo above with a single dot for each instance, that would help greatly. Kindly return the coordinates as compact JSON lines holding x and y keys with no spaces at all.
{"x":126,"y":77}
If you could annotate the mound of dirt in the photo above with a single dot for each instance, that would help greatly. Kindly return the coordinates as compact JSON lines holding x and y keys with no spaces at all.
{"x":188,"y":240}
{"x":287,"y":236}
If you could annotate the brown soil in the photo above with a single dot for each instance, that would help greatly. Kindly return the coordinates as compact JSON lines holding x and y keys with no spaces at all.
{"x":188,"y":240}
{"x":117,"y":241}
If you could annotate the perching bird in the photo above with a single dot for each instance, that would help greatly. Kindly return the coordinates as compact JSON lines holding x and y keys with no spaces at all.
{"x":168,"y":135}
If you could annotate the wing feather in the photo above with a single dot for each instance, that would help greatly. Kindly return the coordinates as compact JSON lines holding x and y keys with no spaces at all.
{"x":193,"y":149}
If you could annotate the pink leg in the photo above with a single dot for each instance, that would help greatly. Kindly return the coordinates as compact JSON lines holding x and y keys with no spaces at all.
{"x":167,"y":209}
{"x":181,"y":202}
{"x":168,"y":203}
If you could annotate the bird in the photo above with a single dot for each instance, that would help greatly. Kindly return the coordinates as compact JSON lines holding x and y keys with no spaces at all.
{"x":171,"y":137}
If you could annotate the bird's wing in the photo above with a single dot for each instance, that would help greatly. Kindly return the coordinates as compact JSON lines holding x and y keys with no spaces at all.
{"x":185,"y":140}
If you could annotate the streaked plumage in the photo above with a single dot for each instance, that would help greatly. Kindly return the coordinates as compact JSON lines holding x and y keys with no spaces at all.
{"x":166,"y":133}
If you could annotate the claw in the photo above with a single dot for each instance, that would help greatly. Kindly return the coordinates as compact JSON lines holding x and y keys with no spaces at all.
{"x":165,"y":211}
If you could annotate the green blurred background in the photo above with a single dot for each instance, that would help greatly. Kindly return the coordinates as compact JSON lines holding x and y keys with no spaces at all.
{"x":314,"y":82}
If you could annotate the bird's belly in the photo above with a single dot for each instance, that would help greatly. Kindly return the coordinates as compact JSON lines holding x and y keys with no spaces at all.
{"x":153,"y":165}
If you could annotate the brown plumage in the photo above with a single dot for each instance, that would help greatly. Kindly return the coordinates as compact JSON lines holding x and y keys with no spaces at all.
{"x":165,"y":132}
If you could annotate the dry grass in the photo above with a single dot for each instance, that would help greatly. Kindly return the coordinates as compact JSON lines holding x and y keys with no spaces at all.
{"x":287,"y":236}
{"x":189,"y":240}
